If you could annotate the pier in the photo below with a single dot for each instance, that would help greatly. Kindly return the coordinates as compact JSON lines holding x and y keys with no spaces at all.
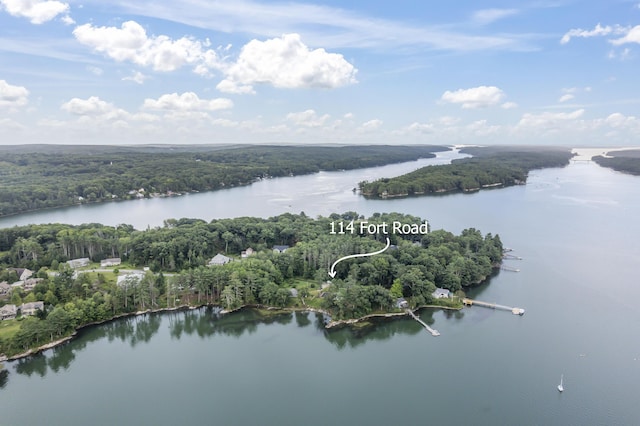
{"x":433,"y":331}
{"x":509,"y":268}
{"x":514,"y":311}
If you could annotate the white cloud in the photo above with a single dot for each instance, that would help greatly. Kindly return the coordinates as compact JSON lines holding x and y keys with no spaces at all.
{"x":308,"y":118}
{"x":136,"y":77}
{"x":599,"y":30}
{"x":509,"y":105}
{"x":131,"y":43}
{"x":549,"y":119}
{"x":370,"y":125}
{"x":487,"y":16}
{"x":286,"y":62}
{"x":95,"y":70}
{"x":11,"y":96}
{"x":566,"y":97}
{"x":476,"y":97}
{"x":632,"y":36}
{"x":91,"y":106}
{"x":36,"y":11}
{"x":187,"y":101}
{"x":619,"y":121}
{"x":420,"y":127}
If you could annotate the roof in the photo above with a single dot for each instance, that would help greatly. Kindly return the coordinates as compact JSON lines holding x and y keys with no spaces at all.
{"x":281,"y":248}
{"x":219,"y":259}
{"x":32,"y":305}
{"x":8,"y":309}
{"x":441,"y":292}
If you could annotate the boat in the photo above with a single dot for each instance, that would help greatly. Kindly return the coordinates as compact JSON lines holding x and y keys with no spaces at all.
{"x":560,"y":387}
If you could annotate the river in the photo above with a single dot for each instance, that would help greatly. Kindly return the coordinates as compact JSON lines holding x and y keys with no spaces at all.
{"x":576,"y":229}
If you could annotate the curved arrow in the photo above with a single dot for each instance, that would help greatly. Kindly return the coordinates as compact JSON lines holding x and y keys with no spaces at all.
{"x":332,"y":271}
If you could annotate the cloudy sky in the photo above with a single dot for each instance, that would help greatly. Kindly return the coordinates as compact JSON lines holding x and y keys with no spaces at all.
{"x":257,"y":71}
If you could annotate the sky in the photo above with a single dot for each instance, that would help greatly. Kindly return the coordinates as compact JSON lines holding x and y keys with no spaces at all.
{"x":547,"y":72}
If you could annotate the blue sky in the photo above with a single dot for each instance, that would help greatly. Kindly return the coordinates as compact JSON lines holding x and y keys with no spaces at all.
{"x":196,"y":71}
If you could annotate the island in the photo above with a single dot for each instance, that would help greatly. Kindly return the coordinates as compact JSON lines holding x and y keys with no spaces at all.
{"x":490,"y":167}
{"x":57,"y":278}
{"x":34,"y":177}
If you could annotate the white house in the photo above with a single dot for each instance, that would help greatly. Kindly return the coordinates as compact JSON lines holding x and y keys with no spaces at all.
{"x":246,"y":253}
{"x":8,"y":312}
{"x":441,"y":293}
{"x":136,"y":275}
{"x":114,"y":261}
{"x":219,"y":259}
{"x":280,"y":249}
{"x":31,"y":308}
{"x":78,"y":263}
{"x":5,"y":288}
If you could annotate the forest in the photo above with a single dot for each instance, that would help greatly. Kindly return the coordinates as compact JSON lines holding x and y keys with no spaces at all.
{"x":627,"y":161}
{"x":35,"y":177}
{"x":177,"y":255}
{"x":489,"y":167}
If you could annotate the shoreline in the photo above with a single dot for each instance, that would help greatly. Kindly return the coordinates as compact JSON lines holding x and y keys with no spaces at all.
{"x":331,"y":324}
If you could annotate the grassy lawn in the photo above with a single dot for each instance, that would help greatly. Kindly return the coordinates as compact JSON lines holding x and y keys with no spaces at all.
{"x":8,"y":328}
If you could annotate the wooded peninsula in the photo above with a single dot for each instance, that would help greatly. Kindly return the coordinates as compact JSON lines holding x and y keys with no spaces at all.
{"x":489,"y":167}
{"x":91,"y":273}
{"x":35,"y":177}
{"x":627,"y":161}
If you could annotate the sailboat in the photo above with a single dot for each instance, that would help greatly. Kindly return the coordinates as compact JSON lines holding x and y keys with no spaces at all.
{"x":560,"y":387}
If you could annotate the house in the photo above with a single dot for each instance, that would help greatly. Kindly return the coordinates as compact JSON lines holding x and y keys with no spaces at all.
{"x":280,"y":249}
{"x":31,"y":308}
{"x":30,"y":284}
{"x":122,"y":279}
{"x":293,"y":292}
{"x":246,"y":253}
{"x":114,"y":261}
{"x":78,"y":263}
{"x":401,"y":303}
{"x":441,"y":293}
{"x":22,"y":273}
{"x":5,"y":288}
{"x":219,"y":259}
{"x":8,"y":312}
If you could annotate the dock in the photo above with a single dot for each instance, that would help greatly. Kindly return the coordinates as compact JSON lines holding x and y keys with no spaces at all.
{"x":509,"y":268}
{"x":433,"y":331}
{"x":514,"y":311}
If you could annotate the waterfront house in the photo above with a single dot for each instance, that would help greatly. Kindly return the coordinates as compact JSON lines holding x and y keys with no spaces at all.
{"x":114,"y":261}
{"x":78,"y":263}
{"x":441,"y":293}
{"x":8,"y":312}
{"x":5,"y":288}
{"x":293,"y":292}
{"x":31,"y":308}
{"x":219,"y":259}
{"x":136,"y":276}
{"x":280,"y":249}
{"x":246,"y":253}
{"x":401,"y":303}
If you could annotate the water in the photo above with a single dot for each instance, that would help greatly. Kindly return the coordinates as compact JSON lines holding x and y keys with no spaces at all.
{"x":576,"y":229}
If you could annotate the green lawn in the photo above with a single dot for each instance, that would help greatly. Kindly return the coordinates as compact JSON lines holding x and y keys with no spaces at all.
{"x":8,"y":328}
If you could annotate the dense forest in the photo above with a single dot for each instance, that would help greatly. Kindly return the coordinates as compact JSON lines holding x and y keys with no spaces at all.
{"x":489,"y":167}
{"x":37,"y":177}
{"x":178,"y":252}
{"x":622,"y":161}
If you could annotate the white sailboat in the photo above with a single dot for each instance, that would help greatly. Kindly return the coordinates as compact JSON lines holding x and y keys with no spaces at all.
{"x":560,"y":387}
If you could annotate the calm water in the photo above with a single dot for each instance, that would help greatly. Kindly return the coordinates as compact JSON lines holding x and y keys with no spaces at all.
{"x":576,"y":229}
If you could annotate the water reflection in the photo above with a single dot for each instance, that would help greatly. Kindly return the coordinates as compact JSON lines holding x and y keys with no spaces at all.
{"x":208,"y":322}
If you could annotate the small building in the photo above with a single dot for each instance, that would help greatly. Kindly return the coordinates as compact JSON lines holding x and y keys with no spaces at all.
{"x":401,"y":303}
{"x":246,"y":253}
{"x":280,"y":249}
{"x":31,"y":308}
{"x":31,"y":283}
{"x":114,"y":261}
{"x":219,"y":259}
{"x":78,"y":263}
{"x":129,"y":276}
{"x":8,"y":312}
{"x":5,"y":288}
{"x":23,"y":273}
{"x":441,"y":293}
{"x":293,"y":292}
{"x":325,"y":285}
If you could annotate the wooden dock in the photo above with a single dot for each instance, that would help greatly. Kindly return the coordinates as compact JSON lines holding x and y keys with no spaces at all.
{"x":433,"y":331}
{"x":514,"y":311}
